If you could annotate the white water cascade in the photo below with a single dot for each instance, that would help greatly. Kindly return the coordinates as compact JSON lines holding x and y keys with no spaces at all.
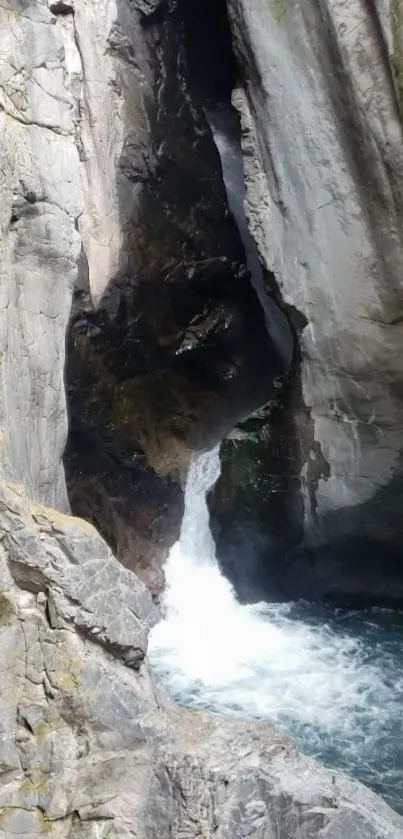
{"x":329,"y":678}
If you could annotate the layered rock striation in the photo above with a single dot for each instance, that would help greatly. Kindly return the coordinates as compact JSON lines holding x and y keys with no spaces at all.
{"x":320,"y":106}
{"x":90,"y":747}
{"x":102,"y":202}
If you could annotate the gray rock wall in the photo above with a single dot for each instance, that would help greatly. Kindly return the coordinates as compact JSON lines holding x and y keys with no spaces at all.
{"x":90,"y":748}
{"x":323,"y":156}
{"x":167,"y":334}
{"x":40,"y":203}
{"x":70,"y":85}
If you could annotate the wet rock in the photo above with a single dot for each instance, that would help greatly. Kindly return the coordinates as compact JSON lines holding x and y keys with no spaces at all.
{"x":347,"y":573}
{"x":90,"y":747}
{"x":255,"y":506}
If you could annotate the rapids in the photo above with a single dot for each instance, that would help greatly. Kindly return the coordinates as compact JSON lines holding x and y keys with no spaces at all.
{"x":333,"y":679}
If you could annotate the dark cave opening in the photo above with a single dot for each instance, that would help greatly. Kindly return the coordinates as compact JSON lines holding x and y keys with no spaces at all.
{"x":213,"y":69}
{"x":170,"y":358}
{"x":255,"y":508}
{"x":177,"y":354}
{"x":213,"y":74}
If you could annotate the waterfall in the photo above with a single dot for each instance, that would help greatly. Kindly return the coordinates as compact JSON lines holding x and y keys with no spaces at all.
{"x":332,"y":679}
{"x":196,"y":541}
{"x":199,"y":602}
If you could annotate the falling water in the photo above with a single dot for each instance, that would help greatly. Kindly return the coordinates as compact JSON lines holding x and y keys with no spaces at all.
{"x":332,"y":679}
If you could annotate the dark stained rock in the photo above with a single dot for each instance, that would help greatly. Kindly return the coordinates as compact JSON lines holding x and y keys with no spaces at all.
{"x":323,"y":158}
{"x":256,"y":506}
{"x":148,"y":8}
{"x":176,"y":350}
{"x":347,"y":572}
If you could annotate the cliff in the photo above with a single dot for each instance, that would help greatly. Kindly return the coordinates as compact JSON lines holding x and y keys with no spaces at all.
{"x":90,"y":747}
{"x":320,"y":105}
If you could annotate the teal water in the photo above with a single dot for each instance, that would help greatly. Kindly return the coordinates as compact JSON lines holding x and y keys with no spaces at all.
{"x":331,"y":678}
{"x":357,"y":731}
{"x":369,"y":746}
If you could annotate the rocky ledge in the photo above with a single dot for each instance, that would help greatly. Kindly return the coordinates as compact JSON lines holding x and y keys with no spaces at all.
{"x":90,"y":748}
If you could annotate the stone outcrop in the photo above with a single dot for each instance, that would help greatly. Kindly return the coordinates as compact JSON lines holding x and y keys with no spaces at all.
{"x":90,"y":748}
{"x":320,"y":106}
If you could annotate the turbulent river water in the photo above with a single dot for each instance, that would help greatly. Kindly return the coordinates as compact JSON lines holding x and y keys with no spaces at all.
{"x":333,"y":679}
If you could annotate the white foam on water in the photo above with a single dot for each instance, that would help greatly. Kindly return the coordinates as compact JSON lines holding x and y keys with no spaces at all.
{"x":260,"y":661}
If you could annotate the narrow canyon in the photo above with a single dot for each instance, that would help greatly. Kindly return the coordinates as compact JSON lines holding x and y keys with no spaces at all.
{"x":201,"y":419}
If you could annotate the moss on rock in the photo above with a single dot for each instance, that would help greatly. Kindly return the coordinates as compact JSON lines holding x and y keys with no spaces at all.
{"x":7,"y":611}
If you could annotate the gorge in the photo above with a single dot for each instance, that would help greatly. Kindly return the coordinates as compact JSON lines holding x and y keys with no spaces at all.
{"x":201,"y":419}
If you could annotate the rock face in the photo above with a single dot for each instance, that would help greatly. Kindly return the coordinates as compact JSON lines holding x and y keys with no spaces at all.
{"x":90,"y":748}
{"x":101,"y":195}
{"x":323,"y":155}
{"x":256,"y":508}
{"x":166,"y":331}
{"x":40,"y":245}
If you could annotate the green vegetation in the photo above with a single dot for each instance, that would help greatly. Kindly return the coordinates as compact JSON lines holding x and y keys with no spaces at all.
{"x":6,"y":610}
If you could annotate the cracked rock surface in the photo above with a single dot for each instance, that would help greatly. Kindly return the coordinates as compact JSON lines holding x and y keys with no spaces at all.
{"x":90,"y":748}
{"x":39,"y":244}
{"x":321,"y":110}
